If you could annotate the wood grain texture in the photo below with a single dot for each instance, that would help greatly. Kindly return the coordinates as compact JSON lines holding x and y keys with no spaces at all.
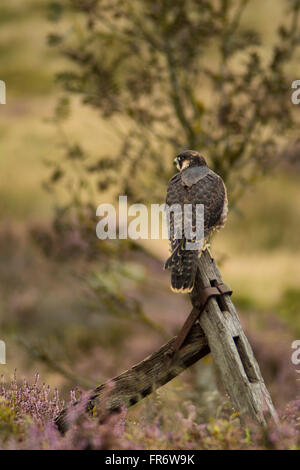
{"x":218,"y":330}
{"x":230,"y":348}
{"x":145,"y":377}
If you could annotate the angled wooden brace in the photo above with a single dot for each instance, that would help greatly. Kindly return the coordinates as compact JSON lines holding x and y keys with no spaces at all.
{"x":219,"y":331}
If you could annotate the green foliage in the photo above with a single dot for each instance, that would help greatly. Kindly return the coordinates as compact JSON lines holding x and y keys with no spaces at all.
{"x":167,"y":76}
{"x":109,"y":291}
{"x":189,"y":431}
{"x":8,"y":421}
{"x":181,"y":75}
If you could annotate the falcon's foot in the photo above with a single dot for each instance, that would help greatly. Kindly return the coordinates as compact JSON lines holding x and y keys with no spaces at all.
{"x":207,"y":248}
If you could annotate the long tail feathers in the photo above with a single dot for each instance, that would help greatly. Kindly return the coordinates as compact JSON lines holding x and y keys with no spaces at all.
{"x":183,"y":265}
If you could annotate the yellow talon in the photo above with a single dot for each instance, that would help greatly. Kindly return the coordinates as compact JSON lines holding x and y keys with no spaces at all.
{"x":207,"y":247}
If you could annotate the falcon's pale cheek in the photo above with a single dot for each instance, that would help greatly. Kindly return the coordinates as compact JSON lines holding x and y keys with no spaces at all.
{"x":185,"y":165}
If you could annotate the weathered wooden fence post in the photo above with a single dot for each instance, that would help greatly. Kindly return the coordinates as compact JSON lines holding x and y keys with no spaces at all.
{"x":230,"y":348}
{"x":217,"y":329}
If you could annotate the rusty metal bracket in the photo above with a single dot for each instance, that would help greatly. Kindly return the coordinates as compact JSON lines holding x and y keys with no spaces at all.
{"x":205,"y":295}
{"x":218,"y":331}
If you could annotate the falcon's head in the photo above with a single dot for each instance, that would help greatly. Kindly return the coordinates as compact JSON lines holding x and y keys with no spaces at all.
{"x":189,"y":158}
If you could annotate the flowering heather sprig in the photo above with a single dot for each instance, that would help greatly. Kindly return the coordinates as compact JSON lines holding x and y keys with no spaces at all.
{"x":86,"y":434}
{"x":291,"y":413}
{"x":284,"y":436}
{"x":182,"y":430}
{"x":19,"y":402}
{"x":31,"y":399}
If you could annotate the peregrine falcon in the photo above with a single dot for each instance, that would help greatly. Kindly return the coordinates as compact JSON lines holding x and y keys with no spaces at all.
{"x":194,"y":184}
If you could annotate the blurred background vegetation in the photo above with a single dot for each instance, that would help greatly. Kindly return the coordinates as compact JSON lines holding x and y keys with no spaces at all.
{"x":91,"y":103}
